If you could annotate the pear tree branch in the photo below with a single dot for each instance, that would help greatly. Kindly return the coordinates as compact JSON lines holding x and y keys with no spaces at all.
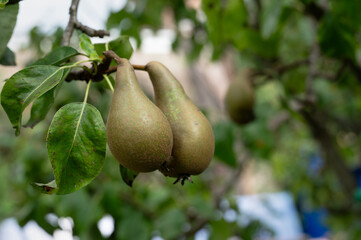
{"x":75,"y":24}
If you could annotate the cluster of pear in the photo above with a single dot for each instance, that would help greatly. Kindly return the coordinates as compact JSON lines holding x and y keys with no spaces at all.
{"x":172,"y":135}
{"x":240,"y":98}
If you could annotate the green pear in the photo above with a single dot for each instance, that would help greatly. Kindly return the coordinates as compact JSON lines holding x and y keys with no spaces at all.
{"x":138,"y":133}
{"x":240,"y":98}
{"x":193,"y":139}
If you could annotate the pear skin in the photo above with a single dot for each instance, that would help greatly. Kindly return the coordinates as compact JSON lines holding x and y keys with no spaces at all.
{"x":240,"y":98}
{"x":193,"y":139}
{"x":138,"y":133}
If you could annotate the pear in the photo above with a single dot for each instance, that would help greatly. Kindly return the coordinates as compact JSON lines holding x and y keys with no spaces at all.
{"x":193,"y":139}
{"x":240,"y":98}
{"x":138,"y":133}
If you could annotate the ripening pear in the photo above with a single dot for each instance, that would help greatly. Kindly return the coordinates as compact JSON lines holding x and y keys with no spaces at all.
{"x":139,"y":135}
{"x":193,"y":139}
{"x":239,"y":98}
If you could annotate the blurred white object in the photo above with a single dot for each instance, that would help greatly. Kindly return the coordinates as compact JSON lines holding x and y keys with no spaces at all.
{"x":106,"y":225}
{"x":10,"y":228}
{"x":275,"y":210}
{"x":32,"y":231}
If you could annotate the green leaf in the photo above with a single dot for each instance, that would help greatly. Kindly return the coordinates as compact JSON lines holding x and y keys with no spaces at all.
{"x":224,"y":140}
{"x":336,"y":37}
{"x":76,"y":145}
{"x":8,"y":18}
{"x":133,"y":226}
{"x":3,"y":3}
{"x":88,"y":47}
{"x":57,"y":56}
{"x":8,"y":58}
{"x":221,"y":19}
{"x":128,"y":176}
{"x":251,"y":40}
{"x":42,"y":105}
{"x":48,"y":188}
{"x":121,"y":46}
{"x":348,"y":11}
{"x":24,"y":87}
{"x":271,"y":12}
{"x":171,"y":223}
{"x":222,"y":229}
{"x":234,"y":12}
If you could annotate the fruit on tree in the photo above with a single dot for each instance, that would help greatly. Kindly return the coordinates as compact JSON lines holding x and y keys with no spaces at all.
{"x":138,"y":133}
{"x":193,"y":139}
{"x":240,"y":98}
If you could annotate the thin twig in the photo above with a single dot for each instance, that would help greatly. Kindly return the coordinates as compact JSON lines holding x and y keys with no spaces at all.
{"x":73,"y":10}
{"x":279,"y":70}
{"x":90,"y":31}
{"x":75,"y":24}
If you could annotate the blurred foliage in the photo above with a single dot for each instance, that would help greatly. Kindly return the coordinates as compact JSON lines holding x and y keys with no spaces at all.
{"x":263,"y":34}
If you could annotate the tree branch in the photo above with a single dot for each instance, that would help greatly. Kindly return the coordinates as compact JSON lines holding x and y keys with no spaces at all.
{"x":73,"y":10}
{"x":95,"y":73}
{"x":90,"y":31}
{"x":74,"y":23}
{"x":279,"y":70}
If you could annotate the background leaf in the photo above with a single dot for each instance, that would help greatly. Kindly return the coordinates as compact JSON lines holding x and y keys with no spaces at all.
{"x":8,"y":58}
{"x":224,"y":140}
{"x":3,"y":3}
{"x":76,"y":145}
{"x":128,"y":175}
{"x":24,"y":87}
{"x":121,"y":46}
{"x":337,"y":38}
{"x":8,"y":18}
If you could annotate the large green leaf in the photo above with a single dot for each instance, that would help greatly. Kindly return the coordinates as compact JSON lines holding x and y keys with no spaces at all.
{"x":8,"y":58}
{"x":24,"y":87}
{"x":121,"y":46}
{"x":76,"y":145}
{"x":42,"y":105}
{"x":7,"y":23}
{"x":57,"y":56}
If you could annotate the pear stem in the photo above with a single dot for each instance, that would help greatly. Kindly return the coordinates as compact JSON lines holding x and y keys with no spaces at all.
{"x":139,"y":67}
{"x":113,"y":55}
